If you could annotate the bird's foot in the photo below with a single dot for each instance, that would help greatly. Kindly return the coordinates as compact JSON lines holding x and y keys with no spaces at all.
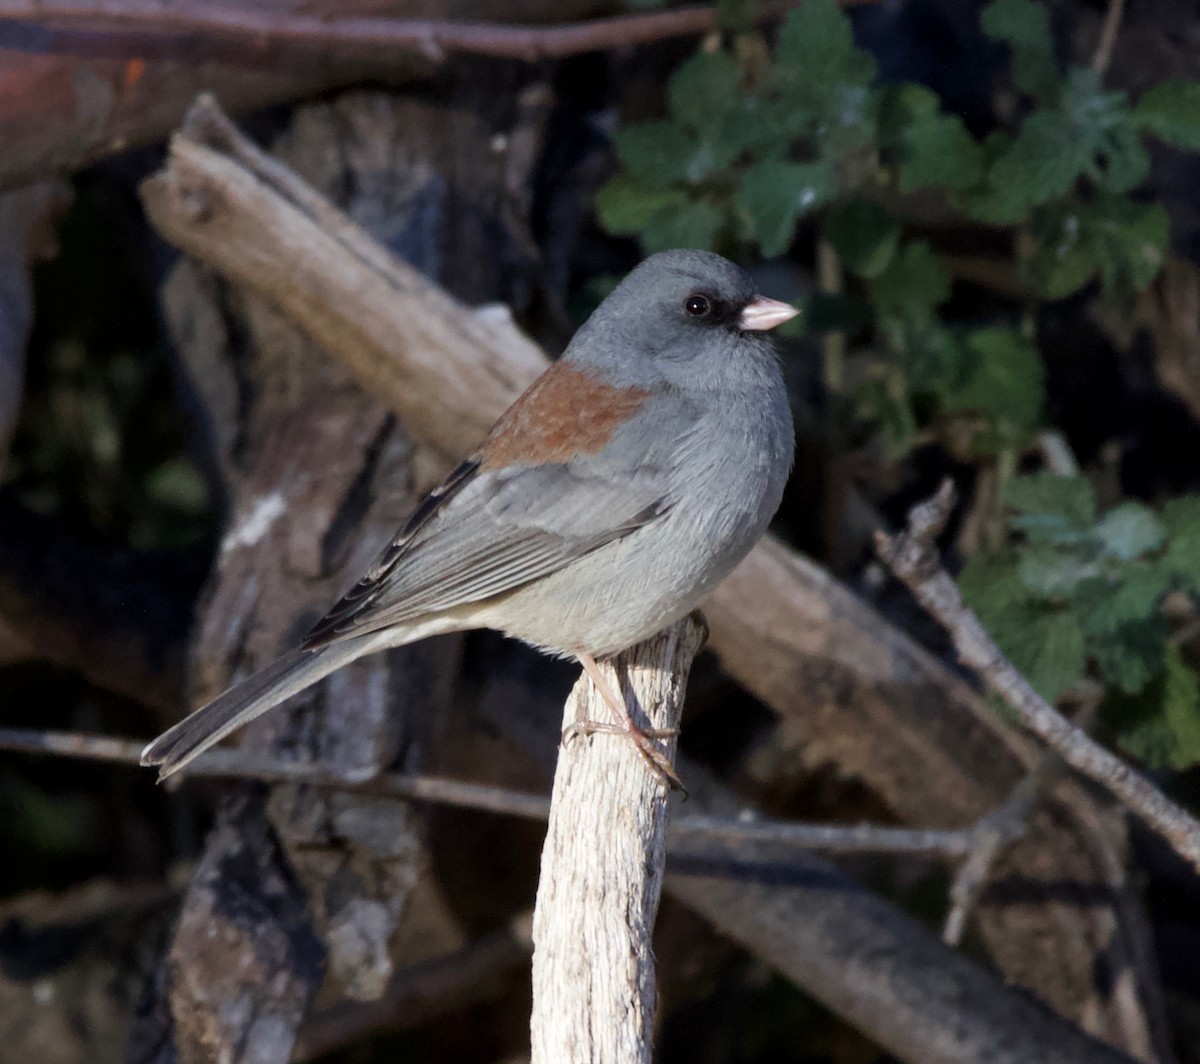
{"x":642,"y":738}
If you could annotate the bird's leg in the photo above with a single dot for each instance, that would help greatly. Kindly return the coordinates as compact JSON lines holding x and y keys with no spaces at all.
{"x":641,"y":737}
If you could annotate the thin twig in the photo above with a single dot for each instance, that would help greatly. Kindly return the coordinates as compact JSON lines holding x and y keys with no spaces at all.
{"x":1108,"y":35}
{"x":913,"y":557}
{"x":151,"y":29}
{"x":994,"y":833}
{"x":687,"y":831}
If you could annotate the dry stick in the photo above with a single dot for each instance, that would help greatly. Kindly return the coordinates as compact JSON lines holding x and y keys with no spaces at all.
{"x":602,"y":866}
{"x":1108,"y":35}
{"x":686,"y":833}
{"x":994,"y":833}
{"x":913,"y":557}
{"x":247,"y":36}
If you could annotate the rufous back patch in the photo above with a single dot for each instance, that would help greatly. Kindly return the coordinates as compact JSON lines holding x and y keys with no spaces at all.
{"x":564,"y":413}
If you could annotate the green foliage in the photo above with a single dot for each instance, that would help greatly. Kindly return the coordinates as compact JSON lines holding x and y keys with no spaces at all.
{"x":1171,"y":112}
{"x":1025,"y":27}
{"x":806,"y":146}
{"x":744,"y":156}
{"x":1078,"y":593}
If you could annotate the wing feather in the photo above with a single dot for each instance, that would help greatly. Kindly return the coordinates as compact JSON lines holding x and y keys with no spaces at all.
{"x":483,"y":533}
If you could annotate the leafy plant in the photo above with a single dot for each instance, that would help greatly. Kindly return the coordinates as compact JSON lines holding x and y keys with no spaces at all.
{"x":1079,"y":593}
{"x":745,"y":156}
{"x":808,"y":148}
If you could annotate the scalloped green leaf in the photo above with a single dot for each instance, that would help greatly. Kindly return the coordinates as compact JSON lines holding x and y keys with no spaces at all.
{"x":1025,"y":27}
{"x":703,"y":90}
{"x":774,"y":195}
{"x":625,"y":206}
{"x":913,"y":284}
{"x":1171,"y":112}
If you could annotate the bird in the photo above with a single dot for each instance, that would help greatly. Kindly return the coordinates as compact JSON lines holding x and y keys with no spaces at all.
{"x":605,"y":504}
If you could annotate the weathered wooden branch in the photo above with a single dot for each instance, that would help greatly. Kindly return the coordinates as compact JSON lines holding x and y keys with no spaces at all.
{"x":286,"y":39}
{"x":913,"y":557}
{"x":602,"y":866}
{"x":59,"y":112}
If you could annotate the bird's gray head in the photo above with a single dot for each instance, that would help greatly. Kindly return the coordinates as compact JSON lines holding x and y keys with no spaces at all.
{"x":677,"y":308}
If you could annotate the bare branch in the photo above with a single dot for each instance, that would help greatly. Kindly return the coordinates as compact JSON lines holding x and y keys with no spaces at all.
{"x":230,"y":35}
{"x":993,"y":834}
{"x":602,"y":866}
{"x":1108,"y":35}
{"x":913,"y":557}
{"x":686,"y":833}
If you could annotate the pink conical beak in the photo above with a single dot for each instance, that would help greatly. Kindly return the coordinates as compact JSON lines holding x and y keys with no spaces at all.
{"x":762,"y":314}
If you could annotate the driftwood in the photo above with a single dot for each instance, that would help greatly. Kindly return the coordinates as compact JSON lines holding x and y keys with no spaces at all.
{"x":857,"y":691}
{"x":602,"y":866}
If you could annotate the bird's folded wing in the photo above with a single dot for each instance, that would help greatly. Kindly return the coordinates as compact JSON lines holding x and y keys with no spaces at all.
{"x":485,"y":532}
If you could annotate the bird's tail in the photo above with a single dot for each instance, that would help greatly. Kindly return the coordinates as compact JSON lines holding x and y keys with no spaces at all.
{"x":283,"y":678}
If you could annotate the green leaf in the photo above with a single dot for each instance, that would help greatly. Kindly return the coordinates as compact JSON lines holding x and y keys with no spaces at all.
{"x":1181,"y":519}
{"x":864,"y":235}
{"x":625,"y":205}
{"x":1104,"y":605}
{"x":1123,"y":159}
{"x":1130,"y":531}
{"x":1181,"y":708}
{"x":703,"y":90}
{"x":817,"y":51}
{"x":775,"y":194}
{"x":932,"y":149}
{"x":655,"y":153}
{"x":1005,"y":378}
{"x":693,"y":226}
{"x":1044,"y":161}
{"x":1025,"y":27}
{"x":1047,"y":645}
{"x":1132,"y":655}
{"x":1048,"y":572}
{"x":1044,"y":494}
{"x":936,"y":357}
{"x":1171,"y":112}
{"x":913,"y":284}
{"x":1123,"y":241}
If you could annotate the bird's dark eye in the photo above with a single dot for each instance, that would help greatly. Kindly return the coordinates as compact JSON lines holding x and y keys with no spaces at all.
{"x":697,"y":306}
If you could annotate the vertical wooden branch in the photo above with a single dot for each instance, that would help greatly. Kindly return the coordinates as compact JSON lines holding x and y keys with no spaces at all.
{"x":602,"y":867}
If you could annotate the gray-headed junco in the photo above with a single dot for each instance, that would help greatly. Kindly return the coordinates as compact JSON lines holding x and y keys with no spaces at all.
{"x":604,"y":505}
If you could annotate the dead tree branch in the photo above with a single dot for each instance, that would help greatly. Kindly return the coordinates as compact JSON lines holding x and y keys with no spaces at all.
{"x":230,"y":35}
{"x":687,"y":832}
{"x":913,"y":557}
{"x":602,"y":866}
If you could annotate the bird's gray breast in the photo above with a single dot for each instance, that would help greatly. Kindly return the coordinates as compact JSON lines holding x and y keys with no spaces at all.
{"x":722,"y":452}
